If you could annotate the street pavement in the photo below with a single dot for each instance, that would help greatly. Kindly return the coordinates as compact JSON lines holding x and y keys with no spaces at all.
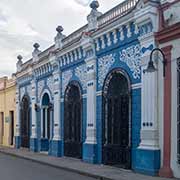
{"x":64,"y":163}
{"x":14,"y":168}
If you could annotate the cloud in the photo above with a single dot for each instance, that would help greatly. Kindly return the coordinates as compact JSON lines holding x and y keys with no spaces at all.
{"x":17,"y":37}
{"x":22,"y":23}
{"x":83,"y":2}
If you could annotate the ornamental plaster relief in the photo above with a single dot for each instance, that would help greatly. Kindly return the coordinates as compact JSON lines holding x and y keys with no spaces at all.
{"x":50,"y":83}
{"x":81,"y":73}
{"x":132,"y":57}
{"x":66,"y":76}
{"x":22,"y":92}
{"x":40,"y":85}
{"x":104,"y":65}
{"x":29,"y":90}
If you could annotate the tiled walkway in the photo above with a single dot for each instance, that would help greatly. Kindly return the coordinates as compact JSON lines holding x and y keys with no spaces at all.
{"x":99,"y":171}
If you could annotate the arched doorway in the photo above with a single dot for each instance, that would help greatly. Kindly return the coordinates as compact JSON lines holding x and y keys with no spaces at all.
{"x":25,"y":122}
{"x":116,"y":120}
{"x":46,"y":118}
{"x":73,"y":121}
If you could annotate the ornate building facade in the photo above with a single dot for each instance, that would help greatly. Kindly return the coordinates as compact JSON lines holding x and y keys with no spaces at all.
{"x":89,"y":96}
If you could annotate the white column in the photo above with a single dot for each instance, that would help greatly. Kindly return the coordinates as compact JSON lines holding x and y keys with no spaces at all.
{"x":45,"y":114}
{"x":91,"y":102}
{"x":34,"y":113}
{"x":17,"y":111}
{"x":57,"y":106}
{"x":42,"y":122}
{"x":149,"y":123}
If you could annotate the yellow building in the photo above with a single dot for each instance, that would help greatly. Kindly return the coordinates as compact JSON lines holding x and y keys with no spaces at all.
{"x":7,"y":110}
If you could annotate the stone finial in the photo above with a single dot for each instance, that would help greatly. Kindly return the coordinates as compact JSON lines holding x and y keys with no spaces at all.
{"x":36,"y":46}
{"x":59,"y":37}
{"x":94,"y":5}
{"x":36,"y":52}
{"x":19,"y":57}
{"x":59,"y":29}
{"x":93,"y":16}
{"x":19,"y":63}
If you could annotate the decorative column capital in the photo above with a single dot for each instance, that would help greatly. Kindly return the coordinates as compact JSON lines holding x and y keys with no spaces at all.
{"x":88,"y":46}
{"x":54,"y":62}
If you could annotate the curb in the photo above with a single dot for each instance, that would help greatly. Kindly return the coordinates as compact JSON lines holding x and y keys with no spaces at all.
{"x":99,"y":177}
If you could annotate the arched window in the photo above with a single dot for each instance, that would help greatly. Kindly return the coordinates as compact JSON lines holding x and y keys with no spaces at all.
{"x":46,"y":117}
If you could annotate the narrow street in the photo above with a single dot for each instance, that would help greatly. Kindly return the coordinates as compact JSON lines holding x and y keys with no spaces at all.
{"x":13,"y":168}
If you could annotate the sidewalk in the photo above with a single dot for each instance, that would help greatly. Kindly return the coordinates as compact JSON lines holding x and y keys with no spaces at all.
{"x":101,"y":172}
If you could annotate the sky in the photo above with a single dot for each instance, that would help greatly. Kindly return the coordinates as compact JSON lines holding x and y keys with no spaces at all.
{"x":24,"y":22}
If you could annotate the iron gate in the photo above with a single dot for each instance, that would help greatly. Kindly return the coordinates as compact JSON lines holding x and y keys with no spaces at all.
{"x":116,"y":133}
{"x":73,"y":121}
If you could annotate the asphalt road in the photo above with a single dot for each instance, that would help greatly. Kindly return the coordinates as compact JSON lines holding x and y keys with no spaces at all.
{"x":13,"y":168}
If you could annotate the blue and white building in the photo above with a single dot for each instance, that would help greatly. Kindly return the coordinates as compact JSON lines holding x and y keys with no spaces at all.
{"x":88,"y":96}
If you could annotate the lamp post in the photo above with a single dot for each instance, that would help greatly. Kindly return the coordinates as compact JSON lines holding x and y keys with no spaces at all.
{"x":151,"y":67}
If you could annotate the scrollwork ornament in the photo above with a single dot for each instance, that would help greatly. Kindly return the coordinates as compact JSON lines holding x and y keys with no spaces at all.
{"x":132,"y":57}
{"x":104,"y":64}
{"x":66,"y":76}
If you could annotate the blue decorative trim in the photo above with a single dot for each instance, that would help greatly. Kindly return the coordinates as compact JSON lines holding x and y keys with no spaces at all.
{"x":149,"y":48}
{"x":34,"y":144}
{"x":55,"y":148}
{"x":146,"y":28}
{"x":17,"y":142}
{"x":90,"y":68}
{"x":44,"y":76}
{"x":147,"y":161}
{"x":90,"y":153}
{"x":44,"y":145}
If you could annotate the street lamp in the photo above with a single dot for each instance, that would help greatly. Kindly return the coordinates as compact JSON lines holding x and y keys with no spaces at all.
{"x":151,"y":67}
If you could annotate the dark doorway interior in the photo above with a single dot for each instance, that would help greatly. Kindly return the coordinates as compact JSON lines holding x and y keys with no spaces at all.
{"x":73,"y":121}
{"x":25,"y":122}
{"x":116,"y":98}
{"x":11,"y":142}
